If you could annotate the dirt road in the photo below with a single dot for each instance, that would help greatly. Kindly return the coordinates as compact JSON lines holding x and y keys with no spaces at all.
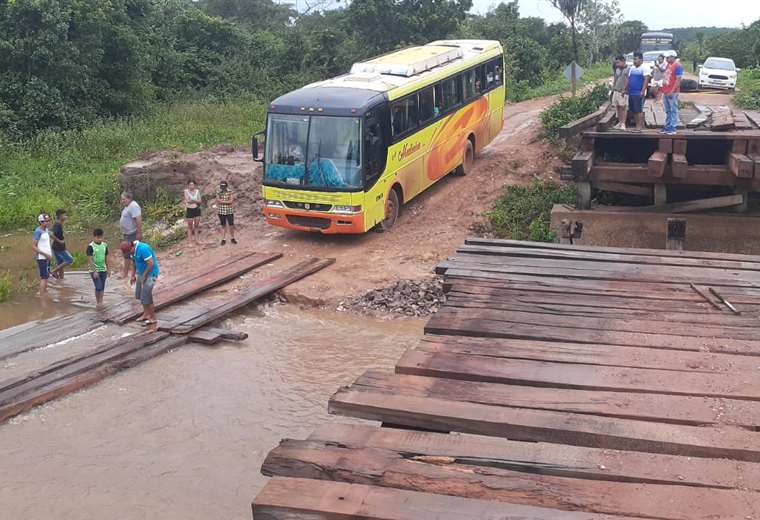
{"x":429,"y":229}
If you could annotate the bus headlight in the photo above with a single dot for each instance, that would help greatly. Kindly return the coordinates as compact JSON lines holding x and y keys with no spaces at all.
{"x":346,"y":210}
{"x":274,"y":203}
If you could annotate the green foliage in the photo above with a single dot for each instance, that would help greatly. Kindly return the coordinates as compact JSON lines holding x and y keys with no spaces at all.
{"x":567,"y":109}
{"x":749,"y":89}
{"x":524,"y":212}
{"x":78,"y":169}
{"x":80,"y":260}
{"x":163,"y":208}
{"x":5,"y":286}
{"x":555,"y":83}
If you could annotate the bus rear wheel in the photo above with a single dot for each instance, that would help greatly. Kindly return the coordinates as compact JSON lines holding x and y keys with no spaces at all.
{"x":392,"y":210}
{"x":468,"y":158}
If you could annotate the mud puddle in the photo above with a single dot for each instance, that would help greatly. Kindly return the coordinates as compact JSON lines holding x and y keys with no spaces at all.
{"x":183,"y":436}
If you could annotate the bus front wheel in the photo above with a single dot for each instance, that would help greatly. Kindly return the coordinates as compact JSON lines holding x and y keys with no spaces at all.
{"x":468,"y":158}
{"x":392,"y":209}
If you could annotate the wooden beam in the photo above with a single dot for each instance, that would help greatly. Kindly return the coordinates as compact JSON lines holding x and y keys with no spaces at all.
{"x":577,"y":126}
{"x":740,"y":146}
{"x":619,"y":187}
{"x":702,"y":117}
{"x":675,"y":234}
{"x":657,"y":163}
{"x":741,"y":165}
{"x":582,"y":163}
{"x":608,"y":120}
{"x":307,"y":499}
{"x":583,"y":195}
{"x":660,"y":194}
{"x":756,"y":161}
{"x":695,"y":205}
{"x":722,"y":119}
{"x":665,"y":145}
{"x":753,"y":116}
{"x":639,"y":174}
{"x":679,"y":166}
{"x":680,"y":146}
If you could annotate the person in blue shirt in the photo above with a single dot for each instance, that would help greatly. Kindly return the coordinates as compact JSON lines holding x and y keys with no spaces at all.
{"x":638,"y":81}
{"x":145,"y":272}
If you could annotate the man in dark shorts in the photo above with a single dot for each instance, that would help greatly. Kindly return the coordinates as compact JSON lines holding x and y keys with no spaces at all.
{"x":224,"y":201}
{"x":145,"y":272}
{"x":62,"y":257}
{"x":638,"y":81}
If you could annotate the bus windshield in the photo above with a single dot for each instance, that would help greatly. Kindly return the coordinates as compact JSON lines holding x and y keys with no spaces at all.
{"x":314,"y":152}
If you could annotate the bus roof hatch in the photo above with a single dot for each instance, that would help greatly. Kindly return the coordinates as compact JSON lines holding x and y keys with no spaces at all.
{"x":409,"y":62}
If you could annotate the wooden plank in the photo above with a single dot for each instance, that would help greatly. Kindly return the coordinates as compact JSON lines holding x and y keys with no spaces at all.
{"x":496,"y":242}
{"x":756,"y":161}
{"x":679,"y":166}
{"x":257,"y":291}
{"x":701,"y":118}
{"x":722,"y":119}
{"x":306,"y":499}
{"x":550,"y":459}
{"x":680,"y":146}
{"x":740,"y":146}
{"x":581,"y":164}
{"x":741,"y":121}
{"x":665,"y":145}
{"x":753,"y":116}
{"x":607,"y":121}
{"x":657,"y":163}
{"x":654,"y":407}
{"x":196,"y":284}
{"x":619,"y":187}
{"x":547,"y":426}
{"x":577,"y":126}
{"x":694,"y":205}
{"x":205,"y":337}
{"x":47,"y":333}
{"x":50,"y":388}
{"x":227,"y":334}
{"x":484,"y":328}
{"x":592,"y":354}
{"x":450,"y":477}
{"x":741,"y":165}
{"x":650,"y":118}
{"x":526,"y":372}
{"x":639,"y":174}
{"x":691,"y":135}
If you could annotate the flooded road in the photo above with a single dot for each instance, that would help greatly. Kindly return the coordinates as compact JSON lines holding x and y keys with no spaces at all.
{"x":183,"y":435}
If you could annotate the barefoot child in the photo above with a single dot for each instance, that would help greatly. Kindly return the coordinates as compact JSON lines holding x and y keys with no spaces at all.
{"x":63,"y":258}
{"x":145,"y":271}
{"x":98,"y":264}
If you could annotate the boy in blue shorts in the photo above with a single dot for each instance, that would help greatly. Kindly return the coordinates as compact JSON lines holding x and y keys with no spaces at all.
{"x":638,"y":81}
{"x":98,"y":264}
{"x":62,"y":257}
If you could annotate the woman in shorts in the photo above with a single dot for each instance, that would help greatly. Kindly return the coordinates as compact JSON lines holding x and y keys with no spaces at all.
{"x":192,"y":202}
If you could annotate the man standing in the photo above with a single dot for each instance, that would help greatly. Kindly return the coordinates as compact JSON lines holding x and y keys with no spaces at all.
{"x":224,"y":201}
{"x":619,"y":86}
{"x":638,"y":81}
{"x":41,"y":246}
{"x":144,"y":275}
{"x":62,"y":257}
{"x":130,"y":223}
{"x":658,"y":76}
{"x":670,"y":90}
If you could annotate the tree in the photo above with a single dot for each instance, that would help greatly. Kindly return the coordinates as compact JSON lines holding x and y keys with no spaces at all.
{"x":628,"y":36}
{"x":599,"y":20}
{"x":571,"y":9}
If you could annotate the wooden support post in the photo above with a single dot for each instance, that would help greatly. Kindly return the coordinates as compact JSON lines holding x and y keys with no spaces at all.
{"x":565,"y":232}
{"x":676,"y":234}
{"x":657,"y":163}
{"x":660,"y":194}
{"x":680,"y":166}
{"x":756,"y":161}
{"x":741,"y":165}
{"x":582,"y":163}
{"x":583,"y":200}
{"x":744,"y":205}
{"x":680,"y":146}
{"x":619,"y":187}
{"x":665,"y":145}
{"x":587,"y":144}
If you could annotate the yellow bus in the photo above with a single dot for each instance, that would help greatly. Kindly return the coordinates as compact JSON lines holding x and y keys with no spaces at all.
{"x":343,"y":155}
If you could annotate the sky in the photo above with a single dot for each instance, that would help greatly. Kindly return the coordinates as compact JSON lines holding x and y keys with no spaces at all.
{"x":658,"y":14}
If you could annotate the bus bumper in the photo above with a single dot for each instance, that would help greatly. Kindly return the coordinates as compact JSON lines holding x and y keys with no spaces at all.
{"x":327,"y":223}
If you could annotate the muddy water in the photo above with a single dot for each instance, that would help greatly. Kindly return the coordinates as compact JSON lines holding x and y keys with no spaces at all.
{"x":183,"y":436}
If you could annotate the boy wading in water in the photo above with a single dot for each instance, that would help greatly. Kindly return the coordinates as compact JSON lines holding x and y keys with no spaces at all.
{"x":98,"y":264}
{"x":41,"y":246}
{"x":224,"y":200}
{"x":62,"y":257}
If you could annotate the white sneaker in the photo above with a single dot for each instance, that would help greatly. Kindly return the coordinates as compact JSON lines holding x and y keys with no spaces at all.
{"x":620,"y":126}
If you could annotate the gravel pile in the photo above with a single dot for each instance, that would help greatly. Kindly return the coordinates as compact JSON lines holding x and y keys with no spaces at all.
{"x":407,"y":297}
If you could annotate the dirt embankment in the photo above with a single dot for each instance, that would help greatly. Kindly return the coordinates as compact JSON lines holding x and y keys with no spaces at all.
{"x":430,"y":227}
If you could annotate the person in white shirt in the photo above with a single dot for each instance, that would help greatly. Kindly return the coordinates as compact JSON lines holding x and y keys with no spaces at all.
{"x":41,"y":245}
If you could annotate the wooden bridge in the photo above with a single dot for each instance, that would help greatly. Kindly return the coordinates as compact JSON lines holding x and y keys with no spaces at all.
{"x":557,"y":382}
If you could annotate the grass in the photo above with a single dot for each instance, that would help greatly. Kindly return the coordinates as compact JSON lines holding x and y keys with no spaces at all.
{"x":78,"y":170}
{"x":567,"y":109}
{"x":556,"y":83}
{"x":749,"y":89}
{"x":524,"y":212}
{"x":5,"y":286}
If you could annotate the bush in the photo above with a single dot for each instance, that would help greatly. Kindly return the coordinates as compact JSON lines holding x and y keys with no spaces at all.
{"x":524,"y":212}
{"x":749,"y":89}
{"x":568,"y":109}
{"x":5,"y":286}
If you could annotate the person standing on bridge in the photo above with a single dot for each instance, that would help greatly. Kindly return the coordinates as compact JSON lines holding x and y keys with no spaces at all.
{"x":638,"y":81}
{"x":130,"y":224}
{"x":619,"y":86}
{"x":671,"y":90}
{"x":225,"y":198}
{"x":145,"y":272}
{"x":41,"y":246}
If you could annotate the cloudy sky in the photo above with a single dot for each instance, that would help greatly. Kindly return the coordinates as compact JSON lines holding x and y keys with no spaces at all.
{"x":659,"y":14}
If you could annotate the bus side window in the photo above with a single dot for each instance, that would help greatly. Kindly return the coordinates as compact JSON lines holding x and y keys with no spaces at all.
{"x":404,"y":116}
{"x":490,"y":75}
{"x":469,"y":84}
{"x":438,"y":102}
{"x":427,"y":104}
{"x":480,"y":79}
{"x":498,"y":71}
{"x":374,"y":149}
{"x":452,"y":92}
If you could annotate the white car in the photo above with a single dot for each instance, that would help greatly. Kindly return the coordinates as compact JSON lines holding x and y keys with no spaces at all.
{"x":718,"y":73}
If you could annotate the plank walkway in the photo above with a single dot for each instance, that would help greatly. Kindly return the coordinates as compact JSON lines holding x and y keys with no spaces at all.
{"x":556,"y":382}
{"x":41,"y":385}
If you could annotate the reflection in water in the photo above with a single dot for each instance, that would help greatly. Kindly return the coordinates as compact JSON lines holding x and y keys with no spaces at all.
{"x":183,"y":436}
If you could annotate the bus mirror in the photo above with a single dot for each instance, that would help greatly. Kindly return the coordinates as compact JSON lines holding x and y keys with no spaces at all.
{"x":255,"y":147}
